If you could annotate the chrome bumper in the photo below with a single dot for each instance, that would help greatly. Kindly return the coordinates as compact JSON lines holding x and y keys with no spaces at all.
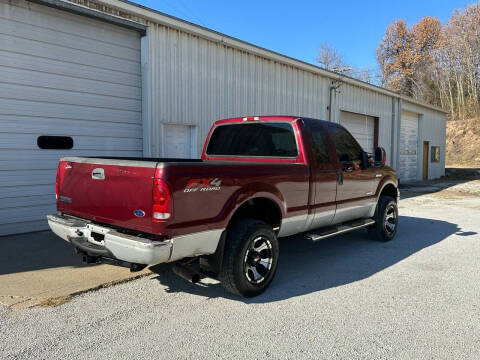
{"x":132,"y":249}
{"x":123,"y":247}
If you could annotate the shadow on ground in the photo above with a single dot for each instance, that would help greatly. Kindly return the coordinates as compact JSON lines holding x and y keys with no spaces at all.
{"x":36,"y":251}
{"x":306,"y":267}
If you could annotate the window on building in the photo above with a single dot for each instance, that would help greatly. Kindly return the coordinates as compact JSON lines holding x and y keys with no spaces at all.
{"x":266,"y":139}
{"x":348,"y":149}
{"x":55,"y":142}
{"x":435,"y":154}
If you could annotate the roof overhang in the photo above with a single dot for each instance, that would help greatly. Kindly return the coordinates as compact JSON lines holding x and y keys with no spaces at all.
{"x":91,"y":13}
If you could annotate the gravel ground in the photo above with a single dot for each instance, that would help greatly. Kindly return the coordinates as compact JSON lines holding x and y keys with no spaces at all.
{"x":345,"y":297}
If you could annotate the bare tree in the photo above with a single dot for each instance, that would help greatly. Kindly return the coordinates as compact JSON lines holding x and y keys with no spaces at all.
{"x":330,"y":58}
{"x":366,"y":74}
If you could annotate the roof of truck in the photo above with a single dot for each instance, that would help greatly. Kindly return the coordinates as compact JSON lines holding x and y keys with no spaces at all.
{"x":289,"y":118}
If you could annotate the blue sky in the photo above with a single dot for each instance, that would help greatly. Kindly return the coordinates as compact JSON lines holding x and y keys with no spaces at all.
{"x":296,"y":28}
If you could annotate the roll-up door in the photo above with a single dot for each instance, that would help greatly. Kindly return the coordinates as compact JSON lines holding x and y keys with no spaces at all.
{"x":362,"y":127}
{"x":408,"y":146}
{"x":61,"y":74}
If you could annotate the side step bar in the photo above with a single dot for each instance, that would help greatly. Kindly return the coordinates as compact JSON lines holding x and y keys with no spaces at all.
{"x":340,"y":228}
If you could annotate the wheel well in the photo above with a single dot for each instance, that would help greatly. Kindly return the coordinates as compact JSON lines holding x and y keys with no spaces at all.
{"x":261,"y":209}
{"x":390,"y":190}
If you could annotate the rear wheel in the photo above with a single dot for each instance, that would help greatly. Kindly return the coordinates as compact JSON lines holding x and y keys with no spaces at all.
{"x":386,"y":219}
{"x":250,"y":258}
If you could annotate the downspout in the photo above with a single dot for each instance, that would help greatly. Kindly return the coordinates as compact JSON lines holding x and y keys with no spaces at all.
{"x":330,"y":104}
{"x":333,"y":89}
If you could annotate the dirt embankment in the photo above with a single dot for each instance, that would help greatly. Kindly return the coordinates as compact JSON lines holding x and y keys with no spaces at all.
{"x":463,"y":143}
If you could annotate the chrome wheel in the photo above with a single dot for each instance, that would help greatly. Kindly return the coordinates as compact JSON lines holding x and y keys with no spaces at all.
{"x":258,"y":260}
{"x":390,"y":219}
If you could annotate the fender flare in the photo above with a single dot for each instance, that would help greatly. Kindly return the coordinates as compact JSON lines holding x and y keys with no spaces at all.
{"x":253,"y":191}
{"x":385,"y":182}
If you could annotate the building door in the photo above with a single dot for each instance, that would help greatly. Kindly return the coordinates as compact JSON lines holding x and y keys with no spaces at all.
{"x":408,"y":146}
{"x":362,"y":127}
{"x":69,"y":86}
{"x":178,"y":141}
{"x":425,"y":160}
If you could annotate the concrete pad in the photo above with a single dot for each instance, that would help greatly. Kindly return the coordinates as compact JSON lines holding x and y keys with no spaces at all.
{"x":42,"y":269}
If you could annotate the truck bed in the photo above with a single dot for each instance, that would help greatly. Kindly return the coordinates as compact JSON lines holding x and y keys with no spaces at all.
{"x":118,"y":190}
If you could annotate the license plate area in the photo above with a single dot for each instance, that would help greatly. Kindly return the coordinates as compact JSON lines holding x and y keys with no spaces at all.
{"x":96,"y":234}
{"x":97,"y":237}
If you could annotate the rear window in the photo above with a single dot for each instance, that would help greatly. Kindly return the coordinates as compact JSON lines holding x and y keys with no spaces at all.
{"x":253,"y":139}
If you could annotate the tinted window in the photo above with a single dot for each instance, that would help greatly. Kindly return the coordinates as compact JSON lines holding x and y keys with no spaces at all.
{"x":320,"y":147}
{"x":253,"y":139}
{"x":347,"y":147}
{"x":55,"y":142}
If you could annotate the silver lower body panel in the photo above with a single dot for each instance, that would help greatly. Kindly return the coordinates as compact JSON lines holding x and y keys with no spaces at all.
{"x":136,"y":249}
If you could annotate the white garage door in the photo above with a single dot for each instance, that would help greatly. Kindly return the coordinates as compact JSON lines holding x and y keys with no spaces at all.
{"x":362,"y":127}
{"x":60,"y":74}
{"x":408,"y":146}
{"x":178,"y":142}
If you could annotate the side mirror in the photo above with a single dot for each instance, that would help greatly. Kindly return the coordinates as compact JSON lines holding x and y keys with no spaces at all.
{"x":365,"y":161}
{"x":380,"y":156}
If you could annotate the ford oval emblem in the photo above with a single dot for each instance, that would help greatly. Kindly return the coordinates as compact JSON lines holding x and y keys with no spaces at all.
{"x":139,"y":213}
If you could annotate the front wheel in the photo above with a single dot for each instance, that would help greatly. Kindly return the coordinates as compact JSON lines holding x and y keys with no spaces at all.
{"x":250,"y":258}
{"x":386,"y":219}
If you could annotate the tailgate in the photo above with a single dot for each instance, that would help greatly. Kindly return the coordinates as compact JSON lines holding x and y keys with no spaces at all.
{"x":116,"y":192}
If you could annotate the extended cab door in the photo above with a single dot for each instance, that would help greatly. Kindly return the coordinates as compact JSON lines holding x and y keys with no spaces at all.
{"x":355,"y":190}
{"x":324,"y":175}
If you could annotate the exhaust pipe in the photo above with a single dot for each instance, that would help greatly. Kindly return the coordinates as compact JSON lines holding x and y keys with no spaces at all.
{"x":186,"y":273}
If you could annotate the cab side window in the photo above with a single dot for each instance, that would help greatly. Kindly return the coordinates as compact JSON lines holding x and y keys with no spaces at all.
{"x":319,"y":140}
{"x":348,"y":149}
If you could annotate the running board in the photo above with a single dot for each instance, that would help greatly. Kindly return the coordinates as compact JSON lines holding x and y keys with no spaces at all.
{"x":340,"y":228}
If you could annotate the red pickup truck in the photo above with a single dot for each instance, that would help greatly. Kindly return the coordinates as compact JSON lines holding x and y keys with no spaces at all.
{"x":259,"y":178}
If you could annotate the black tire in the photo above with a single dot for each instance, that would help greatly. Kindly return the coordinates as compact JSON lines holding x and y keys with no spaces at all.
{"x":241,"y":258}
{"x":386,"y":219}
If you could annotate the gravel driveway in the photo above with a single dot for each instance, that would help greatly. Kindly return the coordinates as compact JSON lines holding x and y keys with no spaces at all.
{"x":417,"y":297}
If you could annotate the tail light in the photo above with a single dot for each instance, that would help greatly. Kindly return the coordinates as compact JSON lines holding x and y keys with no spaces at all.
{"x":162,"y":201}
{"x":57,"y":182}
{"x":63,"y":166}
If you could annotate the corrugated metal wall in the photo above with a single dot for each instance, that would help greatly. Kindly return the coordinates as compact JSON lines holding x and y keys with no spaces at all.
{"x":196,"y":82}
{"x":197,"y":79}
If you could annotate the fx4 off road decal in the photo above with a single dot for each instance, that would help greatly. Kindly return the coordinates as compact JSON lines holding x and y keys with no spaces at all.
{"x":211,"y":184}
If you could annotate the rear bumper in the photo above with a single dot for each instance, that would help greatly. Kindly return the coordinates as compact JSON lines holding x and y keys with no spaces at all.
{"x":115,"y":245}
{"x":131,"y":249}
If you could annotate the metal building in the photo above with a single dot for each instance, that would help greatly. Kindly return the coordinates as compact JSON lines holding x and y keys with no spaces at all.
{"x":123,"y":80}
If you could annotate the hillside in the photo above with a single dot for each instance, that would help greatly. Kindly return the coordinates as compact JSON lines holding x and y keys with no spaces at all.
{"x":463,"y":143}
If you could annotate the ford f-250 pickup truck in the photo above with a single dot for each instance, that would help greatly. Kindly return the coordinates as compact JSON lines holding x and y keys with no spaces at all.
{"x":259,"y":178}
